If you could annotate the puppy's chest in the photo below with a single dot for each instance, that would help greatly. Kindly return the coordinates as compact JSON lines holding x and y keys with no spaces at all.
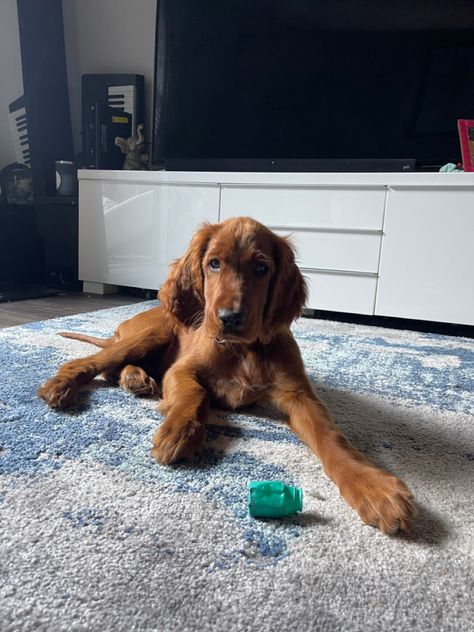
{"x":240,"y":383}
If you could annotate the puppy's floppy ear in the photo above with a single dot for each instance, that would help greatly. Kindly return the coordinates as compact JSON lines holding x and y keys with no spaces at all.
{"x":182,"y":294}
{"x":287,"y":293}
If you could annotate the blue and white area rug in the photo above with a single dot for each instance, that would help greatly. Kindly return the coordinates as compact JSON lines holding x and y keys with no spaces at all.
{"x":95,"y":536}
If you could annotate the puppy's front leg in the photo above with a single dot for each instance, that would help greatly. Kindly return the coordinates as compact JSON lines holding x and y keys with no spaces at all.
{"x":380,"y":498}
{"x":185,"y":404}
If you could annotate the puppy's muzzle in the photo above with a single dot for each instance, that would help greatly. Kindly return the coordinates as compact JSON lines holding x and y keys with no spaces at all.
{"x":232,"y":322}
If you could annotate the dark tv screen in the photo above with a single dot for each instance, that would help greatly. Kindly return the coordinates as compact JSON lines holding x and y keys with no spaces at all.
{"x":312,"y":79}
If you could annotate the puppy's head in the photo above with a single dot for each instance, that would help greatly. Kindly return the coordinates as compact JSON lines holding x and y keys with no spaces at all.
{"x":238,"y":280}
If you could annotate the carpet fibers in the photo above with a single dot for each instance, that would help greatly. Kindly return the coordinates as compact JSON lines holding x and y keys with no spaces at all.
{"x":95,"y":536}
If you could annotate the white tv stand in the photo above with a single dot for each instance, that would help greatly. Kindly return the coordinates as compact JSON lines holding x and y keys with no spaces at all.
{"x":387,"y":244}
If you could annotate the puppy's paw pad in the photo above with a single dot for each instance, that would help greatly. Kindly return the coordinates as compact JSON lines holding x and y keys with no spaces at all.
{"x":138,"y":382}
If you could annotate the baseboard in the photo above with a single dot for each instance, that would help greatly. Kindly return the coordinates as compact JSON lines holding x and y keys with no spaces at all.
{"x":448,"y":329}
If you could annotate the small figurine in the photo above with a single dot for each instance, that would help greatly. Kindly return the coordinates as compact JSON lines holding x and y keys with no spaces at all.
{"x":273,"y":499}
{"x":133,"y":148}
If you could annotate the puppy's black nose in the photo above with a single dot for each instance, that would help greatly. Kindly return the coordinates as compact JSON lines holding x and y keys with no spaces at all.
{"x":232,"y":321}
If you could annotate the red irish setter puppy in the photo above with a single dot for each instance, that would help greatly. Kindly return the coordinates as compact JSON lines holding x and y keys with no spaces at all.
{"x":221,"y":337}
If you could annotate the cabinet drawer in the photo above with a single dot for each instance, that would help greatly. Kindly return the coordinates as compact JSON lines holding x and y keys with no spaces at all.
{"x":341,"y":292}
{"x":323,"y":207}
{"x":355,"y":252}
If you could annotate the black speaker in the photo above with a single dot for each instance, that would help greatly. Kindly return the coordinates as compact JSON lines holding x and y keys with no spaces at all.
{"x":43,"y":62}
{"x":112,"y":105}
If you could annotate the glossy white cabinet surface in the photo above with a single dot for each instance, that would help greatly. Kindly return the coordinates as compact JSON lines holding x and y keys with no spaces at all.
{"x":300,"y":207}
{"x":393,"y":244}
{"x":354,"y":252}
{"x":427,"y":259}
{"x":340,"y":292}
{"x":129,"y":233}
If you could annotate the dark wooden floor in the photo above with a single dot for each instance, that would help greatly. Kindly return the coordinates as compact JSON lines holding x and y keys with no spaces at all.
{"x":64,"y":304}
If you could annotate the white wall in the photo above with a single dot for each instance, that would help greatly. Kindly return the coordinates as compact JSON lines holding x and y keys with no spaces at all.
{"x":102,"y":36}
{"x":11,"y":79}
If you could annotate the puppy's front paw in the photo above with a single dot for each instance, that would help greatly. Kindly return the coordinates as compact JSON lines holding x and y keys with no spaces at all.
{"x":381,"y":500}
{"x":58,"y":392}
{"x":174,"y":441}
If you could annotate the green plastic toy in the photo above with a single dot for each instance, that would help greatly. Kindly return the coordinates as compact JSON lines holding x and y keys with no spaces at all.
{"x":273,"y":499}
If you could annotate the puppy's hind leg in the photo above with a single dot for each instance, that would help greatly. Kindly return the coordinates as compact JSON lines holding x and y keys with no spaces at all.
{"x":61,"y":390}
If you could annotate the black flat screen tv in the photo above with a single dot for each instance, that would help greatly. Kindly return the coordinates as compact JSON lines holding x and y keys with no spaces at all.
{"x":265,"y":83}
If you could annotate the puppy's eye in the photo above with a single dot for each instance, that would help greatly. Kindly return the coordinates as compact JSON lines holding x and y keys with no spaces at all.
{"x":215,"y":265}
{"x":260,"y":268}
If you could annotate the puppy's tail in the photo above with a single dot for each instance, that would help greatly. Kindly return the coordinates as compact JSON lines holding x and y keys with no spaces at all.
{"x":98,"y":342}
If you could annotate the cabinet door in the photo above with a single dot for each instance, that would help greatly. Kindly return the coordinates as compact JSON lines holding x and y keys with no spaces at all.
{"x":427,"y":258}
{"x":129,"y":233}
